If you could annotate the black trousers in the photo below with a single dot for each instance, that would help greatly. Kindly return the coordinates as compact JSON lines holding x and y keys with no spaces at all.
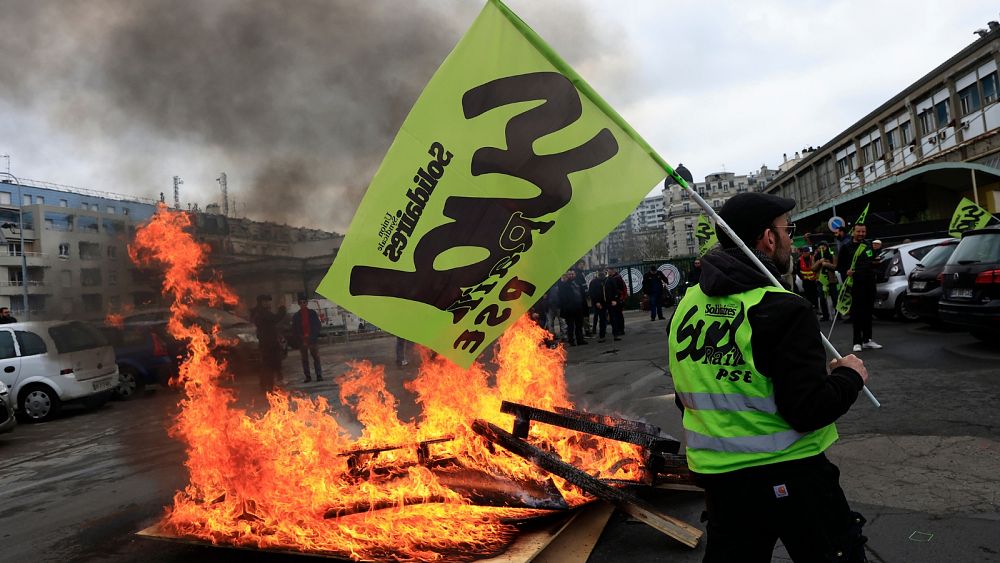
{"x":862,"y":307}
{"x":574,"y":326}
{"x":616,"y":316}
{"x":800,"y":502}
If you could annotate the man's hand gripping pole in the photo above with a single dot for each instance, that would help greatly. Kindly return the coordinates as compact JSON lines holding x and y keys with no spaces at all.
{"x":753,"y":258}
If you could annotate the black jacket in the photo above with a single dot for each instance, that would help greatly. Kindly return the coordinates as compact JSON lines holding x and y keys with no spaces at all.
{"x":864,"y":268}
{"x":786,"y":344}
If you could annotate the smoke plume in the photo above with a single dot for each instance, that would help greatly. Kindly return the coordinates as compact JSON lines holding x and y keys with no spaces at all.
{"x":304,"y":97}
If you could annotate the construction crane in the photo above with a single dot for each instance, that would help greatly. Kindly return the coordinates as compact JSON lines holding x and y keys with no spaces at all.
{"x":225,"y":193}
{"x":177,"y":192}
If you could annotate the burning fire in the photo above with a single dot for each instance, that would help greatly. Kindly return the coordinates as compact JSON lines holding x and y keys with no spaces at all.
{"x":273,"y":480}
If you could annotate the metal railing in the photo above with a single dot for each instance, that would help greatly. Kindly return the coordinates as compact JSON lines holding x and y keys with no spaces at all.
{"x":20,"y":283}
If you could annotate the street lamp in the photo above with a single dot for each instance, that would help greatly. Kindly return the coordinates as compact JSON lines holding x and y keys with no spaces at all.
{"x":24,"y":259}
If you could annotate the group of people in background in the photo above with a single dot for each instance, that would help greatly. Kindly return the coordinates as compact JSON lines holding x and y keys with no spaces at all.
{"x":572,"y":310}
{"x":823,"y":268}
{"x":303,"y":334}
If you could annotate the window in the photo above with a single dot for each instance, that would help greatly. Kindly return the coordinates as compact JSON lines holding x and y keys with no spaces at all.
{"x":687,"y":207}
{"x":30,"y":343}
{"x":64,"y":250}
{"x":90,"y":251}
{"x":58,"y":221}
{"x":926,"y":127}
{"x":66,"y":278}
{"x":114,"y":302}
{"x":904,"y":131}
{"x":112,"y":277}
{"x":112,"y":252}
{"x":110,"y":209}
{"x":4,"y":198}
{"x":39,"y":200}
{"x":942,"y":113}
{"x":112,"y":227}
{"x":124,"y":210}
{"x":968,"y":99}
{"x":90,"y":277}
{"x":86,"y":224}
{"x":63,"y":203}
{"x":989,"y":83}
{"x":25,"y":199}
{"x":7,"y":345}
{"x":76,"y":336}
{"x":892,"y":139}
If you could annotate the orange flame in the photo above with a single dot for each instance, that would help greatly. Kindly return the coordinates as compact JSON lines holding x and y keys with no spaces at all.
{"x":114,"y":320}
{"x":267,"y":480}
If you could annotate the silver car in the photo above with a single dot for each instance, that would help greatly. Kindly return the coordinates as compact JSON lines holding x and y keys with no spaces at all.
{"x":896,"y":264}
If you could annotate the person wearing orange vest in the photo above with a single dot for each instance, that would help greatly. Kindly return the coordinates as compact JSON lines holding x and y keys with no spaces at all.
{"x":810,"y":282}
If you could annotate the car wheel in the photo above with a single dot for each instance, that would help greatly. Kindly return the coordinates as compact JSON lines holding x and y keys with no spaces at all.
{"x":39,"y":403}
{"x":129,"y":384}
{"x":903,"y":311}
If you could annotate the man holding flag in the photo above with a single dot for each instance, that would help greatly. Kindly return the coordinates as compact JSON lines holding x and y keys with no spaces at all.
{"x":856,"y":263}
{"x":751,"y":376}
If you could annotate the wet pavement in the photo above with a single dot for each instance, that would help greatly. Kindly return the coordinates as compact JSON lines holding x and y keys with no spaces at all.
{"x":924,"y":469}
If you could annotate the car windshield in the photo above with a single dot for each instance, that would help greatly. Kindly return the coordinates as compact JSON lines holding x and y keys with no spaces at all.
{"x":938,"y":255}
{"x":75,"y":336}
{"x":982,"y":247}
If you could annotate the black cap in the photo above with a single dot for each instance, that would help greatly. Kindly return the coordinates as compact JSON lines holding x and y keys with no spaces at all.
{"x":748,"y":214}
{"x":302,"y":297}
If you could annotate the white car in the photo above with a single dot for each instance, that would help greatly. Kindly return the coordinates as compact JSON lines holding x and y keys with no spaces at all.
{"x":48,"y":363}
{"x":892,"y":274}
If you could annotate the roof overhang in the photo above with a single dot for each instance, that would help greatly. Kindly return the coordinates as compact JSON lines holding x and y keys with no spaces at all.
{"x":951,"y":176}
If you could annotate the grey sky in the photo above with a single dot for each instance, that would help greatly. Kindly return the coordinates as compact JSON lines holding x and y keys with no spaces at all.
{"x":298,"y":101}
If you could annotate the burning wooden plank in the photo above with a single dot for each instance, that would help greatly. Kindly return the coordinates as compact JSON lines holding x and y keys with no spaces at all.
{"x":677,"y":529}
{"x":604,"y":426}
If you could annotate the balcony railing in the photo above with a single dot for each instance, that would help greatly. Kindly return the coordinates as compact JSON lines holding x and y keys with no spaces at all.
{"x":19,"y":283}
{"x":29,"y":254}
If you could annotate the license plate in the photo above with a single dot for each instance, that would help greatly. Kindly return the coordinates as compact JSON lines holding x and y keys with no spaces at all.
{"x":919,"y":285}
{"x":962,"y":293}
{"x":102,"y":385}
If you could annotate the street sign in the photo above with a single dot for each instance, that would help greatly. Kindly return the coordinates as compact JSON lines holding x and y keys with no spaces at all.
{"x":835,"y":223}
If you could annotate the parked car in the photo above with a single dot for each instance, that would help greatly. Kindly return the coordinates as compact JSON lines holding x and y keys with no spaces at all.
{"x":237,"y":330}
{"x":145,"y":354}
{"x":971,"y":284}
{"x":7,"y":419}
{"x":923,"y":290}
{"x":50,"y":363}
{"x":896,"y":263}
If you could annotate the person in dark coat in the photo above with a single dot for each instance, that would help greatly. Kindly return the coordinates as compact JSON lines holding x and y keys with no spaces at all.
{"x":305,"y":337}
{"x":571,"y":305}
{"x":596,"y":292}
{"x":857,"y":260}
{"x":654,"y":283}
{"x":615,"y":293}
{"x":268,"y":341}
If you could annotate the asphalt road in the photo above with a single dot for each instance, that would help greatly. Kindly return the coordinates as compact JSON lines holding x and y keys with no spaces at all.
{"x":924,"y":468}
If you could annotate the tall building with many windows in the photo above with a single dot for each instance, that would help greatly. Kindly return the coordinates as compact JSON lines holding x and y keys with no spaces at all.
{"x":912,"y":158}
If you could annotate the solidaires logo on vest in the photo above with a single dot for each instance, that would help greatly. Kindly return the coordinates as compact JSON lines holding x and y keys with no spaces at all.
{"x":714,"y":342}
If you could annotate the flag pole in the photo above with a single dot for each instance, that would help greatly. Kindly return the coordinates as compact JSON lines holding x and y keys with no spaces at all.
{"x":753,"y":258}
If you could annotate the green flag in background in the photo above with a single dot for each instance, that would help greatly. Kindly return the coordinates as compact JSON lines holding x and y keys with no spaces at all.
{"x":508,"y":168}
{"x":967,"y":216}
{"x":844,"y":299}
{"x":705,"y":233}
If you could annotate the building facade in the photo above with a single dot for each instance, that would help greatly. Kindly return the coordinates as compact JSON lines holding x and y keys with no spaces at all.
{"x":682,"y":211}
{"x":914,"y":156}
{"x":74,"y":250}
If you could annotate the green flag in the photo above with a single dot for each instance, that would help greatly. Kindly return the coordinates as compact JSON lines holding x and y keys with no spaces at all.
{"x":705,"y":233}
{"x":967,"y":216}
{"x":844,"y":299}
{"x":507,"y":169}
{"x":864,"y":214}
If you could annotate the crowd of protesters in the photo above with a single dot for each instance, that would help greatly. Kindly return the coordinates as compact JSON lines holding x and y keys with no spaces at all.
{"x":574,"y":311}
